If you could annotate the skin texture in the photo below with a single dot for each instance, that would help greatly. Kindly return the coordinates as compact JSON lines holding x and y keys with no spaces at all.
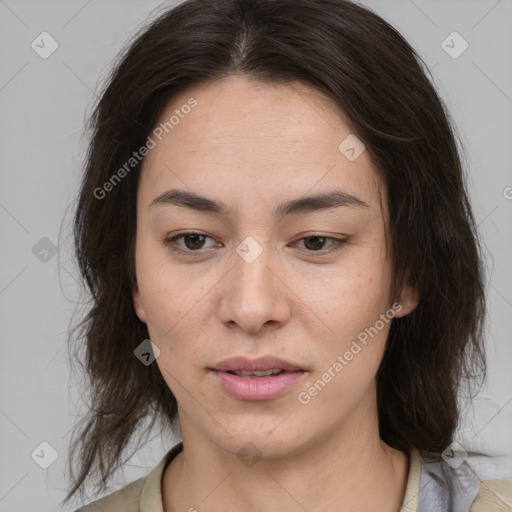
{"x":252,"y":146}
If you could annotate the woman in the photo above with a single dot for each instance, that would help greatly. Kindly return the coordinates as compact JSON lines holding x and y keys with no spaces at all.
{"x":275,"y":231}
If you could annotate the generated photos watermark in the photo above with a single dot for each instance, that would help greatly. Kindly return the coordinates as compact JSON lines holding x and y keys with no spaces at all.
{"x":304,"y":397}
{"x":138,"y":156}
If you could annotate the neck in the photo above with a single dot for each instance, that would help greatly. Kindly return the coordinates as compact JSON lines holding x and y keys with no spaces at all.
{"x":351,"y":469}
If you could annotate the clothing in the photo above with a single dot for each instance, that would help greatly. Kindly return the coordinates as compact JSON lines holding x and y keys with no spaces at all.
{"x":432,"y":486}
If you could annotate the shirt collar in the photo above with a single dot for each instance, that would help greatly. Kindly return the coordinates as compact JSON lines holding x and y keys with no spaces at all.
{"x":412,"y":488}
{"x":151,"y":494}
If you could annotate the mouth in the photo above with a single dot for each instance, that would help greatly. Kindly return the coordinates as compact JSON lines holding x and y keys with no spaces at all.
{"x":259,"y":379}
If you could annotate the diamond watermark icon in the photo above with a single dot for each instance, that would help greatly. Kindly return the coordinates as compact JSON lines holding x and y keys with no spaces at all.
{"x":44,"y":455}
{"x":454,"y":45}
{"x":44,"y":45}
{"x":455,"y":455}
{"x":249,"y":455}
{"x":147,"y":352}
{"x":351,"y":147}
{"x":44,"y":250}
{"x":249,"y":249}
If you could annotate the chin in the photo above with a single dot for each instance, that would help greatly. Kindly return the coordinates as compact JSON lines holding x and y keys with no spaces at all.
{"x":269,"y":439}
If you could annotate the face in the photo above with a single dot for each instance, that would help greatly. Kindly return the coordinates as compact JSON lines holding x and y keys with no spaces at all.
{"x":261,"y":274}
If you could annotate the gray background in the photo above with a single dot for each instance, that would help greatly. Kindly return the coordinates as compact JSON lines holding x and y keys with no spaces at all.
{"x":44,"y":103}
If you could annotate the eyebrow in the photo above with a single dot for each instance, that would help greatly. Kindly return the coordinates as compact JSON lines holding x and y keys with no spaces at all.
{"x":306,"y":204}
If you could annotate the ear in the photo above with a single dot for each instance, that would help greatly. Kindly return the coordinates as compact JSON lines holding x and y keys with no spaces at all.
{"x":408,"y":298}
{"x":138,"y":306}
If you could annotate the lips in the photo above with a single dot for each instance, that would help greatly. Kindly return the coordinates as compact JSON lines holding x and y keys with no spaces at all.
{"x":259,"y":379}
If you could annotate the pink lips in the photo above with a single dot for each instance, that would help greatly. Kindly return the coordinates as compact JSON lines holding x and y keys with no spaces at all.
{"x":254,"y":388}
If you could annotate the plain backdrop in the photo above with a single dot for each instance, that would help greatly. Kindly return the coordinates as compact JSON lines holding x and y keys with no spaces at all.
{"x":44,"y":103}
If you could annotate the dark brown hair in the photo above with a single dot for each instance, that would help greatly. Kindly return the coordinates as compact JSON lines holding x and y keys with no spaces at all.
{"x":380,"y":83}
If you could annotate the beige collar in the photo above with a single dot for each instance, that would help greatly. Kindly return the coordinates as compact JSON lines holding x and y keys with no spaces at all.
{"x":412,"y":488}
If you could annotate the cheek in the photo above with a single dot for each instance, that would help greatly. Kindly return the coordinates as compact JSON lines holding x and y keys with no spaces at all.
{"x":348,"y":362}
{"x":354,"y":296}
{"x":353,"y":302}
{"x":165,"y":293}
{"x":174,"y":305}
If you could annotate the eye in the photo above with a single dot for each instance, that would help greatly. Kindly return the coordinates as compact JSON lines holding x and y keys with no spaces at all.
{"x":315,"y":243}
{"x":192,"y":241}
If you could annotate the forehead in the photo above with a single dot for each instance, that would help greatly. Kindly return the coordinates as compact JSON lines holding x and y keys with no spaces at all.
{"x":254,"y":138}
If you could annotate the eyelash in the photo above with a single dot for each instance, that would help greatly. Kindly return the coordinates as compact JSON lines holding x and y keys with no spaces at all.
{"x":337,"y":244}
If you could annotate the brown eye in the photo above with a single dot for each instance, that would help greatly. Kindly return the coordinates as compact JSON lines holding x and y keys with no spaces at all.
{"x":192,"y":243}
{"x":315,"y":245}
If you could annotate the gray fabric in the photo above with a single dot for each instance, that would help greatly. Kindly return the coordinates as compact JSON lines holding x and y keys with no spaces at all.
{"x":446,"y":489}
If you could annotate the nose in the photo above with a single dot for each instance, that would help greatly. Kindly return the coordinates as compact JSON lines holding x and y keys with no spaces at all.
{"x":255,"y":294}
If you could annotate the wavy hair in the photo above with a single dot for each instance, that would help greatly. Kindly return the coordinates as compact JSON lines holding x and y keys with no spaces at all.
{"x":381,"y":84}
